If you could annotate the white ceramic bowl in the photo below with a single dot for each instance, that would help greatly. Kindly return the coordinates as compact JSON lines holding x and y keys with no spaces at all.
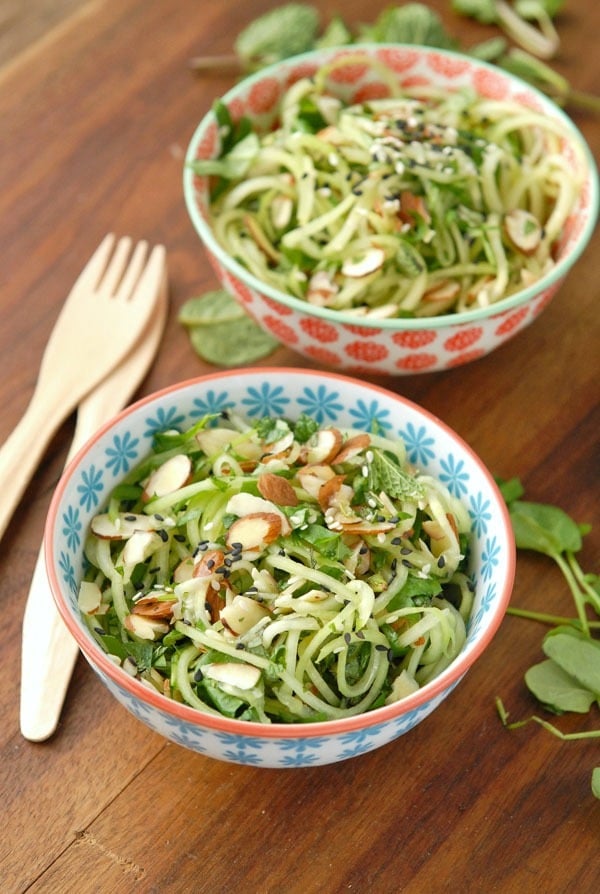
{"x":337,"y":339}
{"x":329,"y":398}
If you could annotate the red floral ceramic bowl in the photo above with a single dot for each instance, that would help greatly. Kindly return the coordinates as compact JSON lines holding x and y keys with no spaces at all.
{"x":343,"y":339}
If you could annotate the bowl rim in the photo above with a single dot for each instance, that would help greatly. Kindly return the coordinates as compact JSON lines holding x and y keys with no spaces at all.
{"x":551,"y":279}
{"x":101,"y":662}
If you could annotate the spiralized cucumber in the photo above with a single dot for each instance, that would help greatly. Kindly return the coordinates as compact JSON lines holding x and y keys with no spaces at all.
{"x":422,"y":203}
{"x":279,"y":571}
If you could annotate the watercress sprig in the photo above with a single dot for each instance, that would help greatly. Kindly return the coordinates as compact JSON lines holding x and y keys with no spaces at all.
{"x":568,"y":679}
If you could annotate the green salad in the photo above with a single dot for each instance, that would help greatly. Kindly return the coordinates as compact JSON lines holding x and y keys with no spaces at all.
{"x":279,"y":571}
{"x":422,"y":203}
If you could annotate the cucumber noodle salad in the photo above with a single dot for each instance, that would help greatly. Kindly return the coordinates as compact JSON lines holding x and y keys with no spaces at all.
{"x":279,"y":571}
{"x":423,"y":203}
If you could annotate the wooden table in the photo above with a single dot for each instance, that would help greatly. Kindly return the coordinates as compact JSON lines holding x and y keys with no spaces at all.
{"x":97,"y":104}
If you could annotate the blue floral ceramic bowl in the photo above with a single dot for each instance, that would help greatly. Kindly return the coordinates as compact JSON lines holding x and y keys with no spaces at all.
{"x":331,"y":399}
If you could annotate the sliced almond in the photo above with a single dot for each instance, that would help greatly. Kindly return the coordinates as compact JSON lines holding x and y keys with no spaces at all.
{"x":242,"y":614}
{"x":261,"y":239}
{"x":281,"y":211}
{"x":145,"y":628}
{"x":169,"y":477}
{"x":368,"y":263}
{"x":413,"y":206}
{"x":233,"y":673}
{"x":313,"y":477}
{"x":184,"y":571}
{"x":90,"y":597}
{"x":154,"y":607}
{"x":208,"y":562}
{"x":254,"y":532}
{"x":322,"y":447}
{"x":523,"y":229}
{"x":351,"y":448}
{"x":329,"y":490}
{"x":321,"y":289}
{"x":123,"y":525}
{"x":244,"y":504}
{"x":139,"y":546}
{"x":277,"y":489}
{"x":366,"y":528}
{"x":280,"y":446}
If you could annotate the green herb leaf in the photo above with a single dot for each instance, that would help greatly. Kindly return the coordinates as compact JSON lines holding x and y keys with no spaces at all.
{"x":284,"y":31}
{"x":326,"y":542}
{"x":385,"y":474}
{"x":232,"y":342}
{"x":579,"y":657}
{"x":412,"y":23}
{"x":304,"y":428}
{"x":544,"y":528}
{"x":217,"y":306}
{"x":596,"y":782}
{"x":557,"y":690}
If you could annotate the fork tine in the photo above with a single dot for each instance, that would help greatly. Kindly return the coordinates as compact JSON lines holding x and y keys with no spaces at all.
{"x":134,"y":269}
{"x":91,"y":273}
{"x":116,"y":266}
{"x":154,"y":271}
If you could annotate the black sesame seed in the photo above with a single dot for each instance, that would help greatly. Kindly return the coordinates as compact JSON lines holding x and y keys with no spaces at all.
{"x":163,"y":535}
{"x":396,"y":541}
{"x":240,"y":647}
{"x":198,"y":675}
{"x":154,"y":570}
{"x":347,"y":639}
{"x":406,"y":563}
{"x":381,"y":648}
{"x":130,"y":517}
{"x":441,"y":561}
{"x":180,"y":538}
{"x":406,"y":551}
{"x":237,"y":546}
{"x":99,"y":631}
{"x":159,"y":517}
{"x":360,"y":634}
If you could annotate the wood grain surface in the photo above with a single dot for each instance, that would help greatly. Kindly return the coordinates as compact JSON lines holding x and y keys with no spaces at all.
{"x":96,"y":109}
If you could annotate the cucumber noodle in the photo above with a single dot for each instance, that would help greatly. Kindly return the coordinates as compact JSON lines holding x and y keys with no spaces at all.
{"x":419,"y":204}
{"x":279,"y":572}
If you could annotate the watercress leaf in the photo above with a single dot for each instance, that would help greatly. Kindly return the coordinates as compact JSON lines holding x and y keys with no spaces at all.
{"x":544,"y":528}
{"x":483,"y":11}
{"x":284,"y":31}
{"x":580,"y":658}
{"x":336,"y":34}
{"x":328,"y":543}
{"x":232,"y":342}
{"x":556,"y":689}
{"x":511,"y":489}
{"x":304,"y":428}
{"x":413,"y":23}
{"x":385,"y":474}
{"x":596,"y":782}
{"x":216,"y":306}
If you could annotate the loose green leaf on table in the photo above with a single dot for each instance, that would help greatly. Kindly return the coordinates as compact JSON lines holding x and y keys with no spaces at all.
{"x":221,"y":332}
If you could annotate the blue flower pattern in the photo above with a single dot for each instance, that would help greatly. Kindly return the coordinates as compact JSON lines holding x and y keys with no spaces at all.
{"x":268,"y":400}
{"x":370,"y":417}
{"x":164,"y":419}
{"x":213,"y":403}
{"x":324,"y":405}
{"x":90,"y":488}
{"x":454,"y":475}
{"x":419,"y":444}
{"x":122,"y":453}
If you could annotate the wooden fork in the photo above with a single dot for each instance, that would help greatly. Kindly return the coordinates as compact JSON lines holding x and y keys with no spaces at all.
{"x":102,"y":318}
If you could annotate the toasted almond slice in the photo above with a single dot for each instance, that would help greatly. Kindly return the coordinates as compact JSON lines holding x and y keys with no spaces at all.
{"x":366,"y":528}
{"x":233,"y":673}
{"x":352,"y":447}
{"x":169,"y":477}
{"x":242,"y":614}
{"x":322,"y":447}
{"x":261,"y":239}
{"x":321,"y":288}
{"x":139,"y":546}
{"x":329,"y":490}
{"x":145,"y":628}
{"x":208,"y":562}
{"x":90,"y":597}
{"x":153,"y":607}
{"x":371,"y":261}
{"x":184,"y":571}
{"x":277,"y":489}
{"x":243,"y":504}
{"x":523,"y":229}
{"x":255,"y":531}
{"x":313,"y":477}
{"x":281,"y":211}
{"x":280,"y":446}
{"x":122,"y":526}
